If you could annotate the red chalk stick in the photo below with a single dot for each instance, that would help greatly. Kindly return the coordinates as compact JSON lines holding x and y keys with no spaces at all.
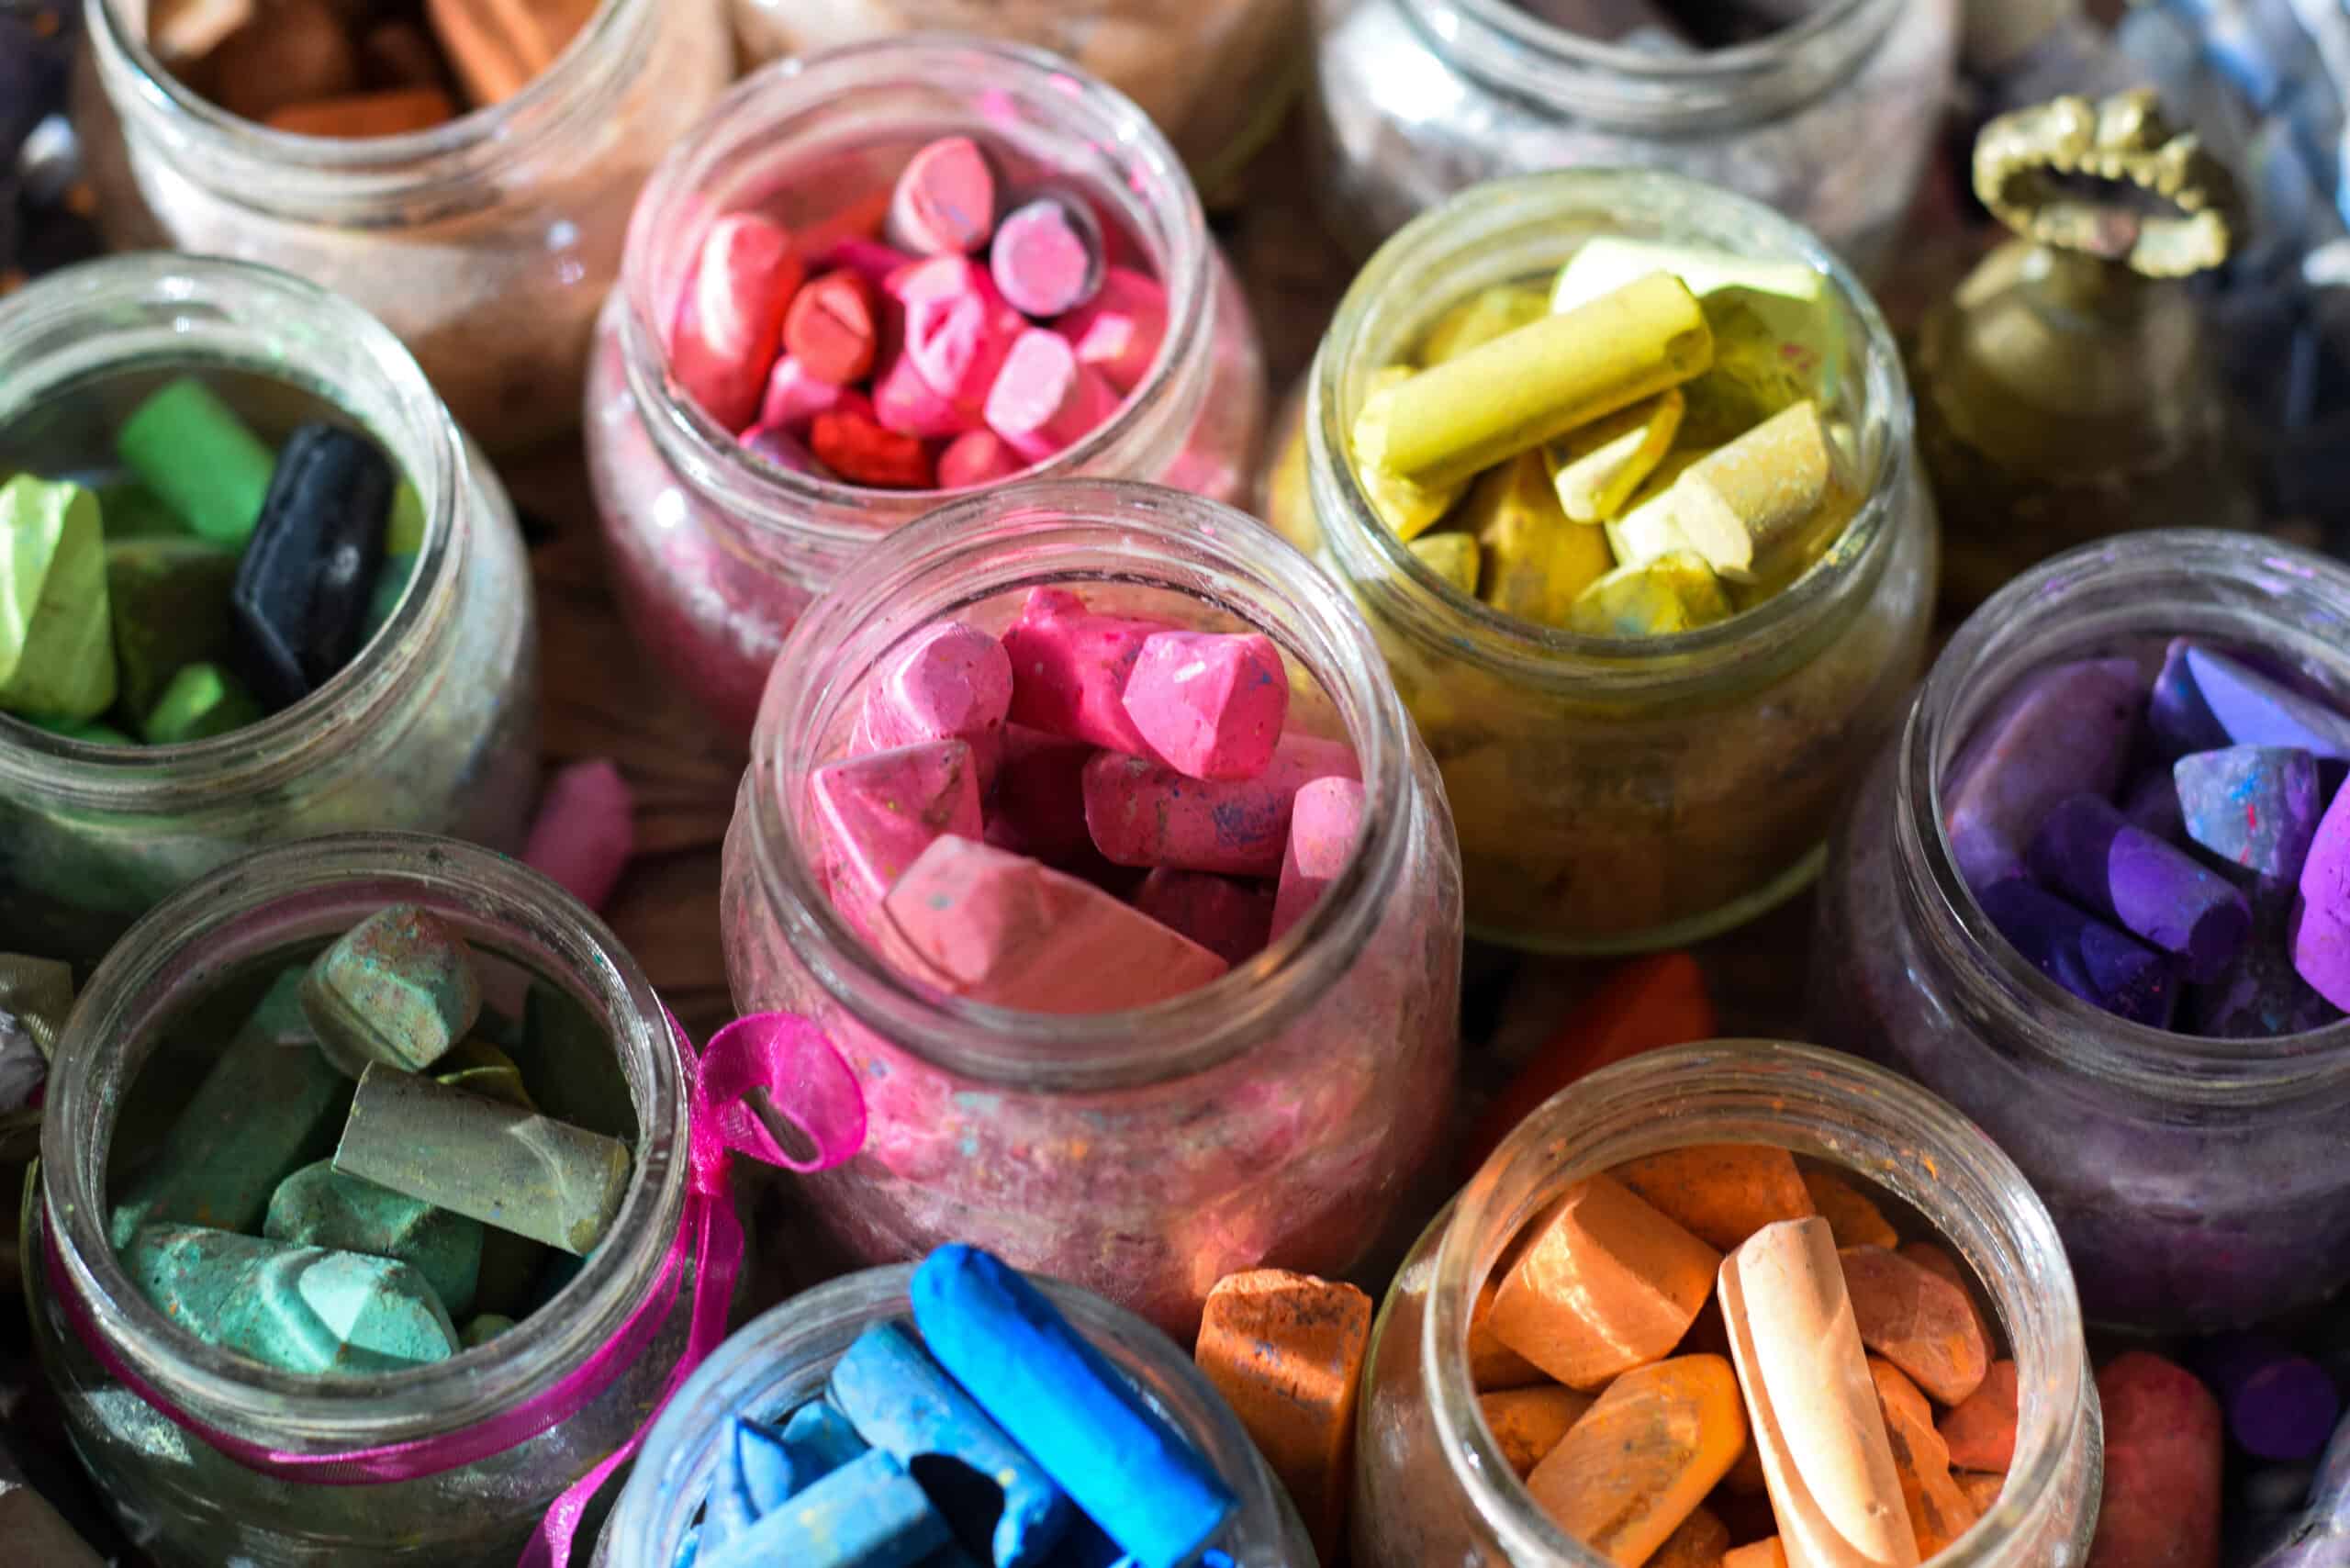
{"x":831,"y":326}
{"x":1046,"y":256}
{"x":944,"y":199}
{"x":730,"y":319}
{"x":977,"y":457}
{"x":864,"y":452}
{"x":1044,"y":400}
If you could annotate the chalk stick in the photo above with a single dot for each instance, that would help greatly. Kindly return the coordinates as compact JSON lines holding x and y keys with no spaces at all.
{"x":1626,"y":1475}
{"x":867,"y":1514}
{"x":2103,"y":967}
{"x":400,"y":988}
{"x":1720,"y":1193}
{"x":944,"y":202}
{"x":1143,"y":813}
{"x":1602,"y":1283}
{"x":2064,"y":731}
{"x":877,"y":813}
{"x":1325,"y":818}
{"x":2090,"y":852}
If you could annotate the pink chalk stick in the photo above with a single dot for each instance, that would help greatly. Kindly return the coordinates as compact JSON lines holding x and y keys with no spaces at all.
{"x":870,"y":259}
{"x":794,"y":397}
{"x":1211,"y":704}
{"x":586,"y":831}
{"x":1232,"y":920}
{"x":959,"y":337}
{"x":1324,"y":820}
{"x":1043,"y":399}
{"x":952,"y":680}
{"x":1143,"y":813}
{"x":1069,"y":669}
{"x":1038,"y":804}
{"x":730,"y":319}
{"x":1118,"y":331}
{"x":1046,"y":256}
{"x":880,"y":812}
{"x":785,"y":450}
{"x":977,"y":457}
{"x":944,"y":199}
{"x":904,"y":400}
{"x":2321,"y":928}
{"x":1000,"y":928}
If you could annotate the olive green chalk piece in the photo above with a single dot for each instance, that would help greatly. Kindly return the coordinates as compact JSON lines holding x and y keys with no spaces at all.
{"x":499,"y":1164}
{"x":484,"y":1327}
{"x":1452,"y":556}
{"x":566,"y":1057}
{"x":56,"y":638}
{"x":87,"y":730}
{"x":169,"y":601}
{"x":198,"y":458}
{"x":391,"y":582}
{"x":477,"y":1067}
{"x":201,"y":701}
{"x":130,"y":510}
{"x":400,"y":988}
{"x":319,"y":1206}
{"x":404,"y":530}
{"x":304,"y":1309}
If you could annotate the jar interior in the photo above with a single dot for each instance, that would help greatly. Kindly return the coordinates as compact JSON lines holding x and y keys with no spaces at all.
{"x":1666,"y":26}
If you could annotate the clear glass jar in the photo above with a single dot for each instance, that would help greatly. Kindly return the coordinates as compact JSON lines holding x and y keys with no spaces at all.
{"x":2198,"y":1183}
{"x":1285,"y":1115}
{"x":431,"y":727}
{"x":1620,"y":795}
{"x":783,"y":1360}
{"x":185,"y":1501}
{"x":714,"y":553}
{"x":1831,"y":122}
{"x":1430,"y":1482}
{"x":487,"y":243}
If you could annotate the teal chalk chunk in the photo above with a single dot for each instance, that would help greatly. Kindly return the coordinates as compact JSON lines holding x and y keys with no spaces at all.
{"x":484,"y":1327}
{"x":56,"y":636}
{"x":169,"y":600}
{"x":1083,"y":1422}
{"x":867,"y":1514}
{"x":400,"y":988}
{"x":201,"y":701}
{"x":304,"y":1309}
{"x":198,"y":457}
{"x":319,"y":1206}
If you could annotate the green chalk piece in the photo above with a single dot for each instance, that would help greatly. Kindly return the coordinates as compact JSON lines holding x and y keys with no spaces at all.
{"x":403,"y":530}
{"x":391,"y":582}
{"x":501,"y":1165}
{"x":566,"y":1054}
{"x":400,"y":988}
{"x":169,"y":601}
{"x":84,"y":730}
{"x":198,"y":457}
{"x":304,"y":1309}
{"x":319,"y":1206}
{"x":269,"y":1106}
{"x":488,"y":1326}
{"x":200,"y":702}
{"x":477,"y":1067}
{"x":56,"y":641}
{"x":130,"y":510}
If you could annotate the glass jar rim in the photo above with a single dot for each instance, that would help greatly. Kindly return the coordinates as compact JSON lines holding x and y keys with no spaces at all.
{"x":307,"y":1414}
{"x":1553,"y":658}
{"x":842,"y":517}
{"x":49,"y":323}
{"x":2042,"y":1017}
{"x":1661,"y":1091}
{"x":1017,"y":528}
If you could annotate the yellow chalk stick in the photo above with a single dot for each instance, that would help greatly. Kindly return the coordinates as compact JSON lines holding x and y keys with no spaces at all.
{"x":1452,"y":556}
{"x":1409,"y":508}
{"x":1646,"y":530}
{"x":1676,"y":592}
{"x":1482,"y":318}
{"x":1739,"y":504}
{"x":1761,"y":365}
{"x":1535,"y":561}
{"x":1595,"y":469}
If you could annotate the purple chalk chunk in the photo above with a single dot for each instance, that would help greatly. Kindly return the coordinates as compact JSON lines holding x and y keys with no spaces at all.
{"x":2176,"y":715}
{"x":2252,"y":710}
{"x":2253,"y":806}
{"x":2320,"y":935}
{"x":2064,"y":731}
{"x":2102,"y":966}
{"x":2087,"y":850}
{"x":2280,"y":1405}
{"x":2150,"y":803}
{"x":2262,"y":995}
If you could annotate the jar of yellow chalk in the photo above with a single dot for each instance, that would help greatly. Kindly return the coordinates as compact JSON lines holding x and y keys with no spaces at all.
{"x":1619,"y":466}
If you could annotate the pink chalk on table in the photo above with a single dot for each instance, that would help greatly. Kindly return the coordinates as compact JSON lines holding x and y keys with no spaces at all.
{"x":795,"y":395}
{"x":1145,"y":813}
{"x":730,"y":319}
{"x":952,"y":682}
{"x":1211,"y":704}
{"x":585,"y":831}
{"x":1069,"y":668}
{"x":944,"y":202}
{"x":959,"y":330}
{"x":1324,"y":821}
{"x":1047,"y":255}
{"x":1043,"y":400}
{"x":1119,"y":330}
{"x":1231,"y":919}
{"x":977,"y":457}
{"x":880,"y":812}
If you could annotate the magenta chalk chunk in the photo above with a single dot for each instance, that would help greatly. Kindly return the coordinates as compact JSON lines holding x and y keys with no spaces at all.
{"x":2090,"y":851}
{"x":730,"y":318}
{"x":1210,"y":704}
{"x":1043,"y":398}
{"x":944,"y":202}
{"x":953,"y":681}
{"x":2321,"y":931}
{"x":1232,"y":919}
{"x":2065,"y":732}
{"x":1069,"y":668}
{"x":879,"y":812}
{"x":1146,"y":813}
{"x":586,"y":831}
{"x":1323,"y":822}
{"x":1046,"y":256}
{"x":1118,"y":331}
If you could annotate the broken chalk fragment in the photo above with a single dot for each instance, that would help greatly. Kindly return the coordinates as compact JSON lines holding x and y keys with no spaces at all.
{"x":400,"y":988}
{"x":2103,"y":967}
{"x":1720,"y":1193}
{"x":1209,"y":704}
{"x":319,"y":1206}
{"x":1231,"y":919}
{"x":1529,"y":1422}
{"x":2253,"y":806}
{"x":951,"y":680}
{"x":2089,"y":850}
{"x":877,"y":813}
{"x":2063,"y":730}
{"x":1326,"y":817}
{"x":1142,"y":813}
{"x":1633,"y":1470}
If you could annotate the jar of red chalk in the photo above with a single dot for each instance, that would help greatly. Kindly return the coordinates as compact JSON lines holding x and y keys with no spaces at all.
{"x":1437,"y":1470}
{"x":430,"y":726}
{"x":1274,"y":1092}
{"x":211,"y":1457}
{"x":723,"y":522}
{"x":2190,"y":1150}
{"x":485,"y":231}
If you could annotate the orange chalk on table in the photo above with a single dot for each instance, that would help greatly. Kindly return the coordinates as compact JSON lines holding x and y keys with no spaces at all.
{"x":1850,"y":1214}
{"x":1938,"y":1511}
{"x":1701,"y":1542}
{"x":498,"y":46}
{"x":1917,"y":1320}
{"x":831,"y":326}
{"x":1834,"y":1489}
{"x":2162,"y":1456}
{"x":1286,"y":1352}
{"x":1603,"y":1283}
{"x":1720,"y":1193}
{"x":1644,"y":1457}
{"x":730,"y":319}
{"x":878,"y":813}
{"x":1491,"y":1365}
{"x":1527,"y":1423}
{"x":863,"y":453}
{"x":1982,"y":1489}
{"x":1043,"y":398}
{"x":1767,"y":1553}
{"x":1325,"y":819}
{"x":944,"y":202}
{"x":1119,"y":330}
{"x":394,"y":112}
{"x":1981,"y":1431}
{"x":977,"y":457}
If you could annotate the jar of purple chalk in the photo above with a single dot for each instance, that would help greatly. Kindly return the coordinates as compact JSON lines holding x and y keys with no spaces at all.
{"x":1281,"y":1111}
{"x":1996,"y":909}
{"x":715,"y":552}
{"x":782,"y":1360}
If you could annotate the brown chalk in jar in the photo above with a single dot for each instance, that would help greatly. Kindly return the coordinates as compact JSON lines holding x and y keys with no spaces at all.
{"x":293,"y":52}
{"x":498,"y":46}
{"x":1917,"y":1320}
{"x":1938,"y":1511}
{"x":394,"y":112}
{"x":1491,"y":1365}
{"x":1851,"y":1215}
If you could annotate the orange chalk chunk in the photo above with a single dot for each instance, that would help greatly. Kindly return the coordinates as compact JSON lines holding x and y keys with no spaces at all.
{"x":1834,"y":1489}
{"x":1286,"y":1352}
{"x":1720,"y":1192}
{"x":1981,"y":1432}
{"x":1491,"y":1365}
{"x":1981,"y":1490}
{"x":1644,"y":1457}
{"x":1699,"y":1542}
{"x":1917,"y":1320}
{"x":832,"y":327}
{"x":390,"y":113}
{"x":1529,"y":1422}
{"x":1938,"y":1511}
{"x":1933,"y":1258}
{"x":497,"y":46}
{"x":1759,"y":1554}
{"x":1603,"y":1283}
{"x":1856,"y":1221}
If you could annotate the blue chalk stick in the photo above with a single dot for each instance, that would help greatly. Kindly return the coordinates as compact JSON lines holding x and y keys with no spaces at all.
{"x":761,"y":1468}
{"x":1137,"y":1477}
{"x":731,"y":1509}
{"x":867,"y":1514}
{"x":688,"y":1550}
{"x":820,"y":1440}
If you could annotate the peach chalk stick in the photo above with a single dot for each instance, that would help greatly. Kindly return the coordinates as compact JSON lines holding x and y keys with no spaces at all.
{"x":1527,"y":1423}
{"x":2163,"y":1458}
{"x":795,"y":395}
{"x":1856,"y":1221}
{"x":1046,"y":256}
{"x":944,"y":202}
{"x":1701,"y":1542}
{"x":1636,"y":1465}
{"x":1043,"y":398}
{"x":1834,"y":1489}
{"x":393,"y":112}
{"x":1325,"y":819}
{"x":1233,"y":920}
{"x":1142,"y":813}
{"x":585,"y":831}
{"x":977,"y":457}
{"x":952,"y":680}
{"x":1286,"y":1351}
{"x":1917,"y":1320}
{"x":1492,"y":1365}
{"x":1938,"y":1511}
{"x":1038,"y":807}
{"x":880,"y":812}
{"x":959,"y":330}
{"x":1602,"y":1285}
{"x":831,"y":326}
{"x":1981,"y":1432}
{"x":498,"y":46}
{"x":1002,"y":928}
{"x":1767,"y":1553}
{"x":1209,"y":704}
{"x":1720,"y":1193}
{"x":730,"y":319}
{"x":1118,"y":331}
{"x":1069,"y":668}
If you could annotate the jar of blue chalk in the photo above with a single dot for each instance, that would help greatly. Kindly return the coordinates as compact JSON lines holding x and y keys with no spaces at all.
{"x":957,"y":1358}
{"x":152,"y":408}
{"x":290,"y":1389}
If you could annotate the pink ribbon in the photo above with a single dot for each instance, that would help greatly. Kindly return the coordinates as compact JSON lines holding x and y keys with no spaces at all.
{"x":804,"y":1080}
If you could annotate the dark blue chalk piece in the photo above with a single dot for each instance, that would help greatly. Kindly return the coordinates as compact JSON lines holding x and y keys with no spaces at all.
{"x":2253,"y":806}
{"x":1132,"y":1473}
{"x":2104,"y":968}
{"x":899,"y":1401}
{"x":2090,"y":852}
{"x":303,"y":583}
{"x":2150,"y":803}
{"x":2177,"y":718}
{"x":2261,"y":995}
{"x":2252,"y":710}
{"x":2280,"y":1405}
{"x":867,"y":1514}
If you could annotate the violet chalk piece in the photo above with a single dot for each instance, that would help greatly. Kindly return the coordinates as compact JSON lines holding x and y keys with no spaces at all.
{"x":2320,"y":935}
{"x":2102,"y":966}
{"x":2252,"y":709}
{"x":2065,"y":732}
{"x":1210,"y":704}
{"x":2088,"y":849}
{"x":2254,"y":806}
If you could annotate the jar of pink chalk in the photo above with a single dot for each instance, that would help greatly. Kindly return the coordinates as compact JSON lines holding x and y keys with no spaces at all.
{"x":1283,"y":1111}
{"x":715,"y":550}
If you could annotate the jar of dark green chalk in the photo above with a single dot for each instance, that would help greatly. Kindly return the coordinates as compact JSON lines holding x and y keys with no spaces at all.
{"x":270,"y":1469}
{"x":433,"y":725}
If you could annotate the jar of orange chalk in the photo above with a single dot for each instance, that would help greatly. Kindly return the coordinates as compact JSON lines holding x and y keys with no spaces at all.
{"x":1842,"y":1303}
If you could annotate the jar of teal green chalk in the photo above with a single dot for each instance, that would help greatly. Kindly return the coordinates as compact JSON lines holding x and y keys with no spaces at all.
{"x":431,"y":727}
{"x":222,"y":1460}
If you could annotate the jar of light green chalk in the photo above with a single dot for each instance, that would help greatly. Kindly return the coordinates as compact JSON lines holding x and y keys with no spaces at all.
{"x":431,"y":727}
{"x":190,"y":1501}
